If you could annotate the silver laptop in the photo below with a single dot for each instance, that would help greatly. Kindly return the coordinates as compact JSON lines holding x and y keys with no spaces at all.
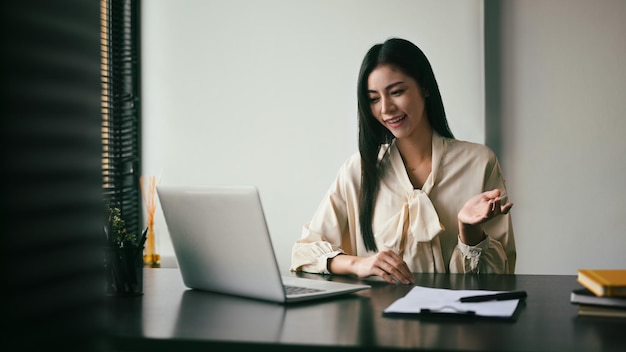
{"x":222,"y":244}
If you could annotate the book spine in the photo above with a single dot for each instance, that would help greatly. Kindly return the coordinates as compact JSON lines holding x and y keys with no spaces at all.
{"x":615,"y":291}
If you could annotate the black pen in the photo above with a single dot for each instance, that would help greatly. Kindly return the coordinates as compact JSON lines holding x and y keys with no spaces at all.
{"x":502,"y":296}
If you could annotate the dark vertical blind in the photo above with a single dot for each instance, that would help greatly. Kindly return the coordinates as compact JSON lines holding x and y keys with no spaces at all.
{"x":121,"y":154}
{"x":51,"y":194}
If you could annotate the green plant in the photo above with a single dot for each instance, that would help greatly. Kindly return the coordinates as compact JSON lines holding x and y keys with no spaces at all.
{"x":122,"y":260}
{"x":117,"y":234}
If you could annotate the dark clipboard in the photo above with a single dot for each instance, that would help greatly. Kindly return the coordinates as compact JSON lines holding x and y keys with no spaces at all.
{"x":413,"y":306}
{"x":464,"y":316}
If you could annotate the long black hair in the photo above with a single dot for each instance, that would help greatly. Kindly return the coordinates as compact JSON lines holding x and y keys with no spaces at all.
{"x":407,"y":57}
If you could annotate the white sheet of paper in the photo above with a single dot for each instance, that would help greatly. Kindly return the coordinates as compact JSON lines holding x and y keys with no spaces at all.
{"x":447,"y":301}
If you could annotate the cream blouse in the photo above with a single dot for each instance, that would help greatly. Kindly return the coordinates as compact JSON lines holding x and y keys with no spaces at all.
{"x":418,"y":224}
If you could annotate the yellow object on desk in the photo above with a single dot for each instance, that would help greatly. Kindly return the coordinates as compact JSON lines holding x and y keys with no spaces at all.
{"x":604,"y":283}
{"x":150,"y":257}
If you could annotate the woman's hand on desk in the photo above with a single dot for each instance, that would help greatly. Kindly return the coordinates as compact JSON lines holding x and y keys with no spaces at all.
{"x":385,"y":264}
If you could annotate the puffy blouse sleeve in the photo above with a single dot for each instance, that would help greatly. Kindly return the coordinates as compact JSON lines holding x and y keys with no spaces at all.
{"x":496,"y":254}
{"x":332,"y":229}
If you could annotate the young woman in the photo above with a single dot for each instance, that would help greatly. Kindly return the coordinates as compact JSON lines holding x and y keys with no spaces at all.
{"x":414,"y":199}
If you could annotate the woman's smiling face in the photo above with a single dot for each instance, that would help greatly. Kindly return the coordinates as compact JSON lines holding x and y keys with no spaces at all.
{"x":397,"y":101}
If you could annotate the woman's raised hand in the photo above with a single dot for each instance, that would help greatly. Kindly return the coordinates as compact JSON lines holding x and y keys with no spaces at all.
{"x":477,"y":210}
{"x":483,"y":207}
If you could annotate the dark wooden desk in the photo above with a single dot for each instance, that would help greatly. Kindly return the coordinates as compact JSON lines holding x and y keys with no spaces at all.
{"x":170,"y":317}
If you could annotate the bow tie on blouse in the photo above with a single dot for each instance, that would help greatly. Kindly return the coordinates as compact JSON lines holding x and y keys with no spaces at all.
{"x":418,"y":217}
{"x":421,"y":217}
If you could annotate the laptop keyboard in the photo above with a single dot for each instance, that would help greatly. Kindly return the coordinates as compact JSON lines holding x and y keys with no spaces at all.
{"x":298,"y":290}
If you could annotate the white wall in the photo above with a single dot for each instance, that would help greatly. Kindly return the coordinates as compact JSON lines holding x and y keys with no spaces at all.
{"x":564,"y":122}
{"x":264,"y":92}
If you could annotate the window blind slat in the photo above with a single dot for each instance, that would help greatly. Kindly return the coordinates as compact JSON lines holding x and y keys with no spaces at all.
{"x":121,"y":155}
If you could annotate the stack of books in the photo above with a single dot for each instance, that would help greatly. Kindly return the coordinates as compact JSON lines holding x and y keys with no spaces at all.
{"x":603,"y":293}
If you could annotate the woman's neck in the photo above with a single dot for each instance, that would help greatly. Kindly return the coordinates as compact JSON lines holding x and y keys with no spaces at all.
{"x":416,"y":153}
{"x":416,"y":149}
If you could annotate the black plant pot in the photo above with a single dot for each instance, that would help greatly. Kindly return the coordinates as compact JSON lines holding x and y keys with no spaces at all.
{"x":124,"y":271}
